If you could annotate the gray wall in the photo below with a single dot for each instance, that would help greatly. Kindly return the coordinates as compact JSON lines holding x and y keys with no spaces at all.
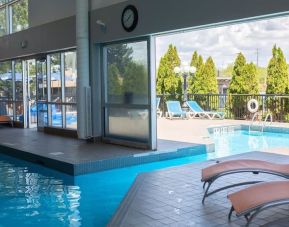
{"x":45,"y":11}
{"x":156,"y":16}
{"x":40,"y":39}
{"x":97,"y":4}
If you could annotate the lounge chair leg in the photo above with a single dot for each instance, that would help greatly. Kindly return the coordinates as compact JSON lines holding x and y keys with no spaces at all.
{"x":206,"y":192}
{"x":230,"y":213}
{"x":204,"y":185}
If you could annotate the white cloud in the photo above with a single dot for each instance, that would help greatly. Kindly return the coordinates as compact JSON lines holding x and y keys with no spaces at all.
{"x":223,"y":43}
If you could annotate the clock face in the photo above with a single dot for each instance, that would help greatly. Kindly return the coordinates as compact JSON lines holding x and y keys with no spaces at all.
{"x":129,"y":18}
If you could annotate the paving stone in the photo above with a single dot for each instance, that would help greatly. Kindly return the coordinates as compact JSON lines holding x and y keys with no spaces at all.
{"x":172,"y":197}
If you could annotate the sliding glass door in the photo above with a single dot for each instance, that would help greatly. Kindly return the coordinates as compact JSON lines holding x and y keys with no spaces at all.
{"x":127,"y":96}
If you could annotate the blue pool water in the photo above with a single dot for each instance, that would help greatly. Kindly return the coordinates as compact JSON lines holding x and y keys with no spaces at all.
{"x":31,"y":195}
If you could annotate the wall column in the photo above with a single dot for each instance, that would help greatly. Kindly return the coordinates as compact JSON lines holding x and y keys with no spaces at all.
{"x":83,"y":86}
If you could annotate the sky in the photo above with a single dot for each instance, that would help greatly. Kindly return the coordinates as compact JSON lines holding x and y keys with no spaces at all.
{"x":223,"y":43}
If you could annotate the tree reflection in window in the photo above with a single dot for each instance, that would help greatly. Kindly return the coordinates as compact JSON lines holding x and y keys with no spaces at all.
{"x":20,"y":15}
{"x":3,"y":21}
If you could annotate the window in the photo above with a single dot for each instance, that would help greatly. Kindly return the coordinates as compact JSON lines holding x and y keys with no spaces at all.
{"x":70,"y":75}
{"x":3,"y":21}
{"x":19,"y":16}
{"x":127,"y":91}
{"x":6,"y":82}
{"x":13,"y":16}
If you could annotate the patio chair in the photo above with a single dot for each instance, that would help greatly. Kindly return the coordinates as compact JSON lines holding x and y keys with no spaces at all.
{"x":249,"y":202}
{"x":175,"y":110}
{"x":214,"y":172}
{"x":159,"y":112}
{"x":197,"y":111}
{"x":4,"y":119}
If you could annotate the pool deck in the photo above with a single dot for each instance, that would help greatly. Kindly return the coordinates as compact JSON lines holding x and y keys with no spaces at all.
{"x":76,"y":157}
{"x":172,"y":197}
{"x":176,"y":138}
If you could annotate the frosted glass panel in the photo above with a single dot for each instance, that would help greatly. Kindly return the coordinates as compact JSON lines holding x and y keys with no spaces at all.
{"x":128,"y":123}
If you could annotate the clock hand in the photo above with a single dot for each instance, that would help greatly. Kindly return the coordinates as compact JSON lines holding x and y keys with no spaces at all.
{"x":128,"y":18}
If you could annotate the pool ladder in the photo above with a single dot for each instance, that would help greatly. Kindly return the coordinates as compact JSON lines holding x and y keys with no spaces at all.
{"x":255,"y":116}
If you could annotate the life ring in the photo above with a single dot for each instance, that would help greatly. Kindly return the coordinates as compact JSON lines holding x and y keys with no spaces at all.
{"x":253,"y":105}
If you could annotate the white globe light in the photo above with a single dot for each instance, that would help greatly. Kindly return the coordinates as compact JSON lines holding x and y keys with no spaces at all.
{"x":192,"y":69}
{"x":186,"y":69}
{"x":177,"y":70}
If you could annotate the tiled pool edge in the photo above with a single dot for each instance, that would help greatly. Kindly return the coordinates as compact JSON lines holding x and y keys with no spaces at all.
{"x":37,"y":159}
{"x":102,"y":165}
{"x":126,"y":201}
{"x":148,"y":157}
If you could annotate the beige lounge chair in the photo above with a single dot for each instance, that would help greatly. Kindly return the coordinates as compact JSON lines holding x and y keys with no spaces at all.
{"x":212,"y":173}
{"x":250,"y":201}
{"x":4,"y":119}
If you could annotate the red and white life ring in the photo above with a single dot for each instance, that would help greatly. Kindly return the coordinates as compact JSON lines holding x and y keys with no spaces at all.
{"x":253,"y":105}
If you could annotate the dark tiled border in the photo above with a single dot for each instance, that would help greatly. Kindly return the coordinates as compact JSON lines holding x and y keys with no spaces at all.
{"x":101,"y":165}
{"x":40,"y":160}
{"x":154,"y":156}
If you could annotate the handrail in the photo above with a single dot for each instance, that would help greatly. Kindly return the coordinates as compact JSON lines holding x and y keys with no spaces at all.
{"x":252,"y":120}
{"x":266,"y":118}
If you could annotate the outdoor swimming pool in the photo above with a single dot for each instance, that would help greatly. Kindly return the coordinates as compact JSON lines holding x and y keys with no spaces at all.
{"x":31,"y":195}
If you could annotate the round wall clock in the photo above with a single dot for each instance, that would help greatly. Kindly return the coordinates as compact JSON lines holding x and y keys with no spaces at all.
{"x":129,"y":18}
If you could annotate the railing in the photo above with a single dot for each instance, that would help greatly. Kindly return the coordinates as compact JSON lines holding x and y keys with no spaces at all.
{"x":235,"y":105}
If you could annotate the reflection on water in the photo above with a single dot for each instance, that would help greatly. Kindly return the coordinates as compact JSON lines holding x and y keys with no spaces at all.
{"x":241,"y":141}
{"x":41,"y":198}
{"x":34,"y":194}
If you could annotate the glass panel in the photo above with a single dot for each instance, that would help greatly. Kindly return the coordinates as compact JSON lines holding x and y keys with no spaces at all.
{"x":18,"y":80}
{"x":70,"y":77}
{"x":19,"y":111}
{"x":31,"y":92}
{"x":71,"y":116}
{"x":20,"y":15}
{"x":55,"y":78}
{"x":42,"y":114}
{"x":2,"y":2}
{"x":56,"y":115}
{"x":3,"y":22}
{"x":6,"y":82}
{"x":41,"y":72}
{"x":127,"y":74}
{"x":123,"y":122}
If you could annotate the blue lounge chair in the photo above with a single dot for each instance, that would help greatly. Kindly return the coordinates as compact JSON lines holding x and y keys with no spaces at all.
{"x":159,"y":112}
{"x":197,"y":111}
{"x":175,"y":110}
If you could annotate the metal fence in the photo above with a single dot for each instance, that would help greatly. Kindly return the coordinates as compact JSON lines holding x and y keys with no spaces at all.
{"x":235,"y":105}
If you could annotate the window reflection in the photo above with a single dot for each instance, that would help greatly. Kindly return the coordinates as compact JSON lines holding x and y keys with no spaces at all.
{"x":3,"y":22}
{"x":19,"y":15}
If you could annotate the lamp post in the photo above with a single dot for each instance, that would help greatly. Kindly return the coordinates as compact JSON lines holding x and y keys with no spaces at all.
{"x":184,"y":70}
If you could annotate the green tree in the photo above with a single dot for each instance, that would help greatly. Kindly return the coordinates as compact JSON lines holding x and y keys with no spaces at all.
{"x":114,"y":85}
{"x":277,"y":73}
{"x":120,"y":55}
{"x":204,"y":81}
{"x":236,"y":84}
{"x":244,"y":81}
{"x":167,"y":81}
{"x":277,"y":83}
{"x":195,"y":59}
{"x":136,"y":79}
